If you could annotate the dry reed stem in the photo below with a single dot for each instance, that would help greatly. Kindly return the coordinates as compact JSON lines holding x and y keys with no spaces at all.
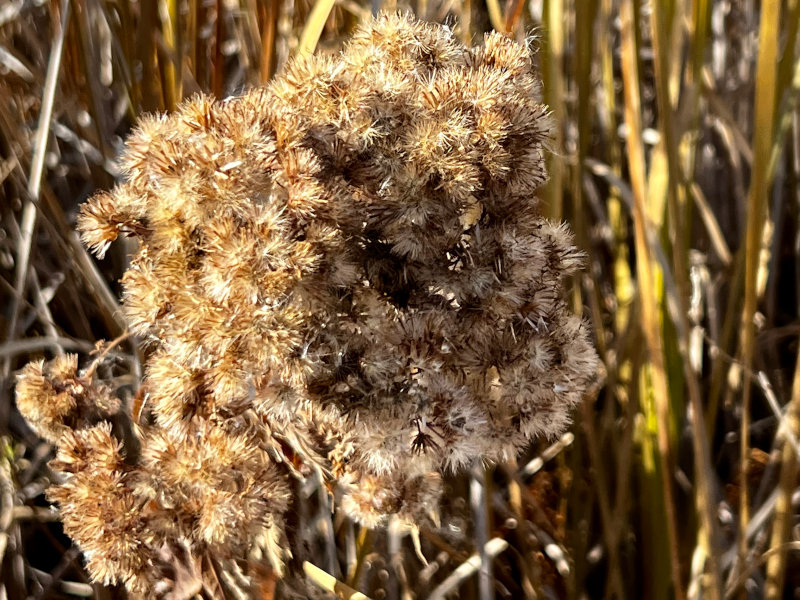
{"x":314,"y":26}
{"x":647,"y":282}
{"x":29,"y":214}
{"x":756,"y":215}
{"x":787,"y":483}
{"x":331,"y":584}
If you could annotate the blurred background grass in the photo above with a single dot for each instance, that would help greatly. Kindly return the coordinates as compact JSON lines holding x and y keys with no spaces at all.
{"x":677,"y":163}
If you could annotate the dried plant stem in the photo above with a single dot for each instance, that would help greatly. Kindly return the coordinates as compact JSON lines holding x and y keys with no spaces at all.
{"x":146,"y":54}
{"x":553,"y":88}
{"x":788,"y":88}
{"x":624,"y":286}
{"x":6,"y":499}
{"x":790,"y":466}
{"x":29,"y":212}
{"x":647,"y":283}
{"x":551,"y":452}
{"x":42,"y":308}
{"x":495,"y":15}
{"x":781,"y":526}
{"x":666,"y":55}
{"x":479,"y":501}
{"x":314,"y":26}
{"x":110,"y":308}
{"x":268,"y":19}
{"x":169,"y":13}
{"x":14,"y":348}
{"x":513,"y":14}
{"x":528,"y":556}
{"x":331,"y":584}
{"x":584,"y":51}
{"x":465,"y":570}
{"x":217,"y":81}
{"x":757,"y":200}
{"x":363,"y":547}
{"x":106,"y":348}
{"x":756,"y":564}
{"x":615,"y":586}
{"x":89,"y":57}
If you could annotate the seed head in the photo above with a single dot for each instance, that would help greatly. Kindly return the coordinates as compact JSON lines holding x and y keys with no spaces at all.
{"x":345,"y":271}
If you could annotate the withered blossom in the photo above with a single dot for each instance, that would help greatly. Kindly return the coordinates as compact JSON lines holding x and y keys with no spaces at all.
{"x":343,"y":272}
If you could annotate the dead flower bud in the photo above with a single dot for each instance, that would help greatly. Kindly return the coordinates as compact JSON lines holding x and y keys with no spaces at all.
{"x":344,"y":271}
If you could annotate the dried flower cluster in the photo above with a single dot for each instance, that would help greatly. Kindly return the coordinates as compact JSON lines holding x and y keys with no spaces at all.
{"x":344,"y":271}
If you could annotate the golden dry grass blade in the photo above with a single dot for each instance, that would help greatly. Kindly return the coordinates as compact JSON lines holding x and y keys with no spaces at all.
{"x":624,"y":288}
{"x":314,"y":26}
{"x":757,"y":201}
{"x":172,"y":60}
{"x":218,"y":74}
{"x":790,"y":90}
{"x":782,"y":525}
{"x":495,"y":15}
{"x":787,"y":65}
{"x":514,"y":12}
{"x":698,"y":38}
{"x":330,"y":584}
{"x":268,"y":20}
{"x":699,"y":23}
{"x":194,"y":57}
{"x":363,"y":548}
{"x":712,"y":225}
{"x":790,"y":463}
{"x":647,"y":280}
{"x":554,"y":86}
{"x":146,"y":56}
{"x":665,"y":56}
{"x":584,"y":53}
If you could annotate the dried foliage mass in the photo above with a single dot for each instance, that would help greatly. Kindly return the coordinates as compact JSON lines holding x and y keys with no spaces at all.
{"x":343,"y":272}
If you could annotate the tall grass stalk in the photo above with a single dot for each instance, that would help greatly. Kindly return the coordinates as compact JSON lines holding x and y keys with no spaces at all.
{"x":757,"y":202}
{"x":314,"y":26}
{"x":553,"y":83}
{"x":655,"y":377}
{"x":30,"y":211}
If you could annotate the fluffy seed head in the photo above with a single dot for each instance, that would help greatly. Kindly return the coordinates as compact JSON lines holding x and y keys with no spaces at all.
{"x":346,"y":270}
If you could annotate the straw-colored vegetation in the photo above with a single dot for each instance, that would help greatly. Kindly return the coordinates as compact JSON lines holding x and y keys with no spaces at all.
{"x":676,"y":163}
